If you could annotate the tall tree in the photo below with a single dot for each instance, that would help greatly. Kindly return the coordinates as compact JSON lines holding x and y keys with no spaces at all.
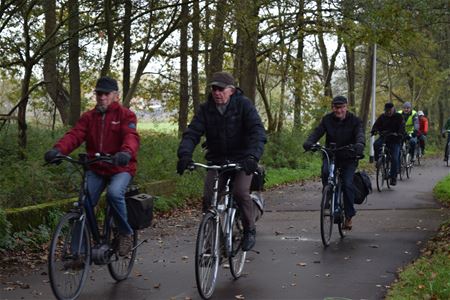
{"x":184,"y":79}
{"x":195,"y":54}
{"x":218,"y":40}
{"x":74,"y":68}
{"x":126,"y":71}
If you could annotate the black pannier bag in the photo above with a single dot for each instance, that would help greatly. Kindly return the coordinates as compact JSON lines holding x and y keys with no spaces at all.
{"x":258,"y":179}
{"x":139,"y":208}
{"x":362,"y":186}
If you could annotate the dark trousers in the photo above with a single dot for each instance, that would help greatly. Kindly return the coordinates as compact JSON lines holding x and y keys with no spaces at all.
{"x":347,"y":171}
{"x":394,"y":149}
{"x":241,"y":194}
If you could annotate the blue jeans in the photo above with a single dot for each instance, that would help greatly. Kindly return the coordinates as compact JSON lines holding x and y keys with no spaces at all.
{"x":394,"y":149}
{"x":412,"y":146}
{"x":115,"y":195}
{"x":347,"y":171}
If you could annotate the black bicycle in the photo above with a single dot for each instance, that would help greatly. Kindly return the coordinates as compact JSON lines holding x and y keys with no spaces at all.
{"x":220,"y":233}
{"x":447,"y":152}
{"x":384,"y":162}
{"x":77,"y":241}
{"x":332,"y":204}
{"x":405,"y":160}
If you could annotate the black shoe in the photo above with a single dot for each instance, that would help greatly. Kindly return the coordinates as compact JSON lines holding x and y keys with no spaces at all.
{"x":249,"y":240}
{"x":393,"y":181}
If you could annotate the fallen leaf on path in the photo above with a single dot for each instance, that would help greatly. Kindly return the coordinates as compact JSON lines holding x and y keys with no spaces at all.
{"x":301,"y":264}
{"x":157,"y":286}
{"x":239,"y":297}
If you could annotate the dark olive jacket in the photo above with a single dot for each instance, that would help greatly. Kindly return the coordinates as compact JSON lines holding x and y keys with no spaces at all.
{"x":235,"y":135}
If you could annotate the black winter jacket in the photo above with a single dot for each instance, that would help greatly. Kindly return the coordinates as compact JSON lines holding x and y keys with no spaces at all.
{"x":342,"y":132}
{"x":392,"y":124}
{"x":235,"y":135}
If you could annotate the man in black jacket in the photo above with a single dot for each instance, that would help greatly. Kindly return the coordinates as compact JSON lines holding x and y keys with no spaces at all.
{"x":390,"y":122}
{"x":234,"y":132}
{"x":343,"y":129}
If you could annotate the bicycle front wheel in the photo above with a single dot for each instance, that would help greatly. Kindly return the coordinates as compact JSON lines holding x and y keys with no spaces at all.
{"x":380,"y":174}
{"x":408,"y":165}
{"x":69,"y":256}
{"x":326,"y":215}
{"x":237,"y":256}
{"x":120,"y":266}
{"x":207,"y":256}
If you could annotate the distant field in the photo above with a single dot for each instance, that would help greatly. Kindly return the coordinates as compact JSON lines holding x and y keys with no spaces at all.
{"x":166,"y":127}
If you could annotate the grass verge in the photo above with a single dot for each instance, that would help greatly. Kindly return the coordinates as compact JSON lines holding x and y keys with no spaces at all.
{"x":428,"y":277}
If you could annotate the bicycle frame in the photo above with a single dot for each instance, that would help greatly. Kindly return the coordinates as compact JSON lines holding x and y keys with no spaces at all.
{"x":334,"y":180}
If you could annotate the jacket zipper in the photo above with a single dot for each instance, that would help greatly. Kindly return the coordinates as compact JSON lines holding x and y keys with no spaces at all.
{"x":101,"y":132}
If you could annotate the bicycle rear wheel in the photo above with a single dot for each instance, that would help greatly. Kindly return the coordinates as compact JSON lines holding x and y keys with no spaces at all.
{"x":69,"y":256}
{"x":380,"y":174}
{"x":120,"y":266}
{"x":326,"y":215}
{"x":207,"y":256}
{"x":237,"y":257}
{"x":408,"y":165}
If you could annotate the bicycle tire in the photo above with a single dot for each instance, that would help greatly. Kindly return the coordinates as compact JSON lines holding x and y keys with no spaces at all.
{"x":237,"y":257}
{"x":326,"y":215}
{"x":387,"y":171}
{"x":380,"y":174}
{"x":207,"y":255}
{"x":408,"y":165}
{"x":68,"y":271}
{"x":419,"y":154}
{"x":120,"y":266}
{"x":341,"y":214}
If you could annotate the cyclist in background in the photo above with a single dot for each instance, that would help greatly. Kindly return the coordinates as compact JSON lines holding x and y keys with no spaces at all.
{"x":109,"y":128}
{"x":423,"y":130}
{"x":234,"y":132}
{"x":446,"y":128}
{"x":411,"y":126}
{"x":389,"y":122}
{"x":344,"y":129}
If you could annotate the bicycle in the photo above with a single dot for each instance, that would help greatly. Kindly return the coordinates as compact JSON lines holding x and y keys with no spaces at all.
{"x":220,"y":233}
{"x":384,"y":163}
{"x":418,"y":153}
{"x":332,"y":204}
{"x":77,"y":241}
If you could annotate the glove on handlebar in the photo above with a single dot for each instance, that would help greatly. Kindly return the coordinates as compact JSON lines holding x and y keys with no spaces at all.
{"x":183,"y":163}
{"x":250,"y":165}
{"x":51,"y":154}
{"x":359,"y":148}
{"x":121,"y":158}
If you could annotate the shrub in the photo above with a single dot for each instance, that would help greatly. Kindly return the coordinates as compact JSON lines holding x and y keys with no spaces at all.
{"x":5,"y":230}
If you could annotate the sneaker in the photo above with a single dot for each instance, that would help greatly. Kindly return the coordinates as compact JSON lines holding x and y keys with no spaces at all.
{"x":249,"y":240}
{"x":125,"y":244}
{"x":393,"y":181}
{"x":348,"y":224}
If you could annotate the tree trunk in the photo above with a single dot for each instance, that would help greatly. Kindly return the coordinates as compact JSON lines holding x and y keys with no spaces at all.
{"x":184,"y":79}
{"x":247,"y":21}
{"x":350,"y":60}
{"x":53,"y":86}
{"x":218,"y":41}
{"x":195,"y":54}
{"x":74,"y":68}
{"x":126,"y":72}
{"x":109,"y":27}
{"x":367,"y":88}
{"x":299,"y":70}
{"x":22,"y":113}
{"x":207,"y":37}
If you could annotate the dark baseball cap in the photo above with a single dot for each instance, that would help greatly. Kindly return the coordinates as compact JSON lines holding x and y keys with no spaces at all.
{"x":388,"y":106}
{"x":339,"y":100}
{"x":222,"y":79}
{"x":106,"y":84}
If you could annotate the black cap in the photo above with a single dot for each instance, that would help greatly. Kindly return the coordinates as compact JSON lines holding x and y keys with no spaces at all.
{"x":388,"y":106}
{"x":106,"y":84}
{"x":339,"y":100}
{"x":222,"y":79}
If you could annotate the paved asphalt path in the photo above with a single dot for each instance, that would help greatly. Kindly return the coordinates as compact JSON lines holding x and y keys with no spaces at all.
{"x":290,"y":262}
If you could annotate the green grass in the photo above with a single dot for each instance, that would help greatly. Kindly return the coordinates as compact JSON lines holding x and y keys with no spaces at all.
{"x":162,"y":127}
{"x":428,"y":277}
{"x":442,"y":190}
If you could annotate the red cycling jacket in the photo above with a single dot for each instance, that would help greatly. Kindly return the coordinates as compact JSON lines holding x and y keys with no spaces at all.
{"x":108,"y":133}
{"x":423,"y":125}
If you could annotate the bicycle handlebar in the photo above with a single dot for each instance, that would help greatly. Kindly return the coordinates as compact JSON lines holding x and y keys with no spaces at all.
{"x":234,"y":166}
{"x":83,"y":159}
{"x":324,"y":149}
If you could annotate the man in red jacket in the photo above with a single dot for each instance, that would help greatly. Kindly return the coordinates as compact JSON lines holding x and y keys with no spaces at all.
{"x":423,"y":130}
{"x":109,"y":128}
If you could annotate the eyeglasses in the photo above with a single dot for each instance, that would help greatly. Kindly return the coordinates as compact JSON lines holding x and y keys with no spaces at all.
{"x":217,"y":88}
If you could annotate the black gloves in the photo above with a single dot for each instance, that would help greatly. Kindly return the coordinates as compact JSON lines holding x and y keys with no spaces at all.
{"x":250,"y":165}
{"x":414,"y":133}
{"x":50,"y":155}
{"x":121,"y":158}
{"x":307,"y":146}
{"x":183,"y":163}
{"x":359,"y":148}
